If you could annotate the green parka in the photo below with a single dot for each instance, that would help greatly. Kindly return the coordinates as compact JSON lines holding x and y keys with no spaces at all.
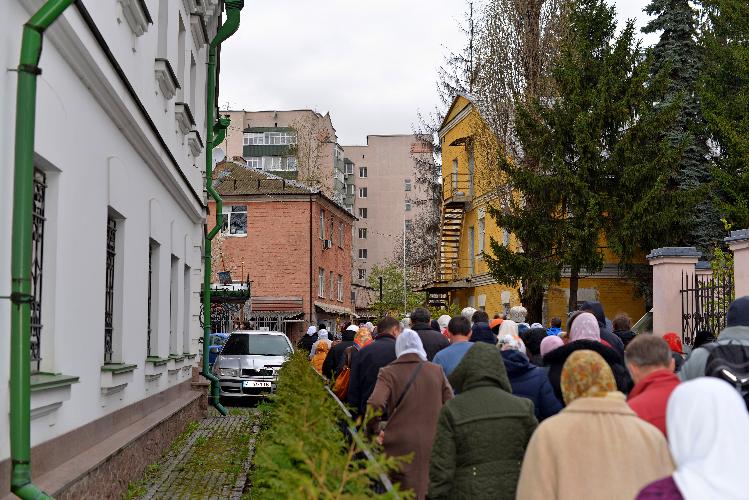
{"x":482,"y":433}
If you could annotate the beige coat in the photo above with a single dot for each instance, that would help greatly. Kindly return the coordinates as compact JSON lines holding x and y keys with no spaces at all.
{"x":596,"y":448}
{"x":412,"y":427}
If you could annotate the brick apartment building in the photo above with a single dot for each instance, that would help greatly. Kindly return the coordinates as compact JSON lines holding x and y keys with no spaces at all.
{"x":294,"y":243}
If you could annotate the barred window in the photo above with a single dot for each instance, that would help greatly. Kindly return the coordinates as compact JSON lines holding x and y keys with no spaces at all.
{"x":109,"y":289}
{"x":37,"y":261}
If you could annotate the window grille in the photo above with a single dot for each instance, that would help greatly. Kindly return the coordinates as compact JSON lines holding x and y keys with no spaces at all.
{"x":37,"y":261}
{"x":109,"y":289}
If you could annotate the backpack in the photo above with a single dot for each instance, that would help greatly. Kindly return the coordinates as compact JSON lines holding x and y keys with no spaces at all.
{"x":729,"y":362}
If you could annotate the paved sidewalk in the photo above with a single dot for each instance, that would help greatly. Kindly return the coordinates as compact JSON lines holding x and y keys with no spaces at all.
{"x":210,"y":461}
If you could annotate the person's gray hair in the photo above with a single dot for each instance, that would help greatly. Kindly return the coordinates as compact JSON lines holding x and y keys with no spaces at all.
{"x":648,"y":350}
{"x":467,"y":313}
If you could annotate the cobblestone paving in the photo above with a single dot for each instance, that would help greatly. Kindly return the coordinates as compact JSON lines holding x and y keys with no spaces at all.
{"x":211,"y":462}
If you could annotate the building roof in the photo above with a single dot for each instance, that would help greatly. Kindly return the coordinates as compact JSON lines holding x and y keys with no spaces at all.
{"x":232,"y":179}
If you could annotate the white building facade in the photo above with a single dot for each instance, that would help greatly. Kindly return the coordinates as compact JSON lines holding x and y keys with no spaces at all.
{"x":119,"y":213}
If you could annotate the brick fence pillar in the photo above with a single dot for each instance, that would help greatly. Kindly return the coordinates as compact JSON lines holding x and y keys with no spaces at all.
{"x":669,"y":265}
{"x":738,"y":242}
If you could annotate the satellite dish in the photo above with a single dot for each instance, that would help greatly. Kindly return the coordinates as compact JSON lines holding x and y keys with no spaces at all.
{"x":218,"y":156}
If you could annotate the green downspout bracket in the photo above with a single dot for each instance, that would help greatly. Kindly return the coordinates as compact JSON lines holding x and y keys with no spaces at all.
{"x":233,"y":7}
{"x":20,"y":311}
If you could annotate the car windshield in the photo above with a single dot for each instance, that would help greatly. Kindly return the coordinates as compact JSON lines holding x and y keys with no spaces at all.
{"x":260,"y":345}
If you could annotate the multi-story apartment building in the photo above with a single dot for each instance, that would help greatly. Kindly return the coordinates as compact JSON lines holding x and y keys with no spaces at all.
{"x":469,"y":188}
{"x":385,"y":198}
{"x":117,"y":234}
{"x":293,"y":242}
{"x":299,"y":145}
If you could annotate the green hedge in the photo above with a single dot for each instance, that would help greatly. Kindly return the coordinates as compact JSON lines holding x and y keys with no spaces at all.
{"x":301,"y":451}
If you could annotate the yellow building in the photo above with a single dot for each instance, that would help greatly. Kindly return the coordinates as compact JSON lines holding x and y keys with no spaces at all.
{"x":469,"y":187}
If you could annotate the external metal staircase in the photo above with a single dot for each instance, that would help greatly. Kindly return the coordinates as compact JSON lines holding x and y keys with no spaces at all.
{"x":456,"y":197}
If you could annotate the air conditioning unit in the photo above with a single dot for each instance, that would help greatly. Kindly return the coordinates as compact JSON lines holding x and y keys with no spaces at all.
{"x":327,"y":244}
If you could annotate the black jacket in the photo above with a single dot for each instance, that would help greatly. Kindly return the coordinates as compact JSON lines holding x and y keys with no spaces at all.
{"x":365,"y":365}
{"x":626,"y":336}
{"x":433,"y":341}
{"x":597,"y":310}
{"x":333,"y":363}
{"x":556,"y":358}
{"x":480,"y":332}
{"x":307,"y":341}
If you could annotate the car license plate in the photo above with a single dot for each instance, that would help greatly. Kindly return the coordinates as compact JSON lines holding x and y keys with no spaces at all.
{"x":252,"y":383}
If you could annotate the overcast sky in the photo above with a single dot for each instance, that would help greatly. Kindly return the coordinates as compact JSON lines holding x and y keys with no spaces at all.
{"x":370,"y":63}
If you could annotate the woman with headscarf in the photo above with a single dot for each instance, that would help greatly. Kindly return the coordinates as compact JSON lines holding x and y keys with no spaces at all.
{"x":677,"y":351}
{"x":309,"y":339}
{"x":708,"y":430}
{"x":550,"y":343}
{"x":584,"y":334}
{"x":442,"y":321}
{"x":409,"y":394}
{"x":321,"y":352}
{"x":528,"y":380}
{"x":322,"y":337}
{"x":596,"y":447}
{"x":482,"y":433}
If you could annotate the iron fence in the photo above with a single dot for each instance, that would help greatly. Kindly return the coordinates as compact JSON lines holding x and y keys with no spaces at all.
{"x":704,"y":303}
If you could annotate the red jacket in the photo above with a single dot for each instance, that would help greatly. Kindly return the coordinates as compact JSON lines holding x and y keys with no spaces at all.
{"x":649,"y":397}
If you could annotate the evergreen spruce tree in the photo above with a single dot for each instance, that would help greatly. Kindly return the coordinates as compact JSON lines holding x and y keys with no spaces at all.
{"x":595,"y":163}
{"x":677,"y":58}
{"x":725,"y":90}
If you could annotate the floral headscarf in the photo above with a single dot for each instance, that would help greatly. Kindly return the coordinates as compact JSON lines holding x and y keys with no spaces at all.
{"x":585,"y":327}
{"x":586,"y":375}
{"x":511,"y":343}
{"x":363,"y":337}
{"x":674,"y":342}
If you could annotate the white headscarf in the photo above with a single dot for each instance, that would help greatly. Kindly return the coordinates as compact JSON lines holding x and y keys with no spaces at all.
{"x":322,"y":334}
{"x":312,"y":330}
{"x":409,"y":342}
{"x":352,"y":328}
{"x":708,"y":433}
{"x":369,"y":326}
{"x":508,"y":327}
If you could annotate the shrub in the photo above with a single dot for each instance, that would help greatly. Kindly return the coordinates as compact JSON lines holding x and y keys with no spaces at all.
{"x":302,"y":452}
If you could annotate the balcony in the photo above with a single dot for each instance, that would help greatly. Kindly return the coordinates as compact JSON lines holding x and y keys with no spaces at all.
{"x":458,"y":189}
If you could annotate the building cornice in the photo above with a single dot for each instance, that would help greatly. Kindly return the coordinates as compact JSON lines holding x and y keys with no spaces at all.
{"x":455,"y":120}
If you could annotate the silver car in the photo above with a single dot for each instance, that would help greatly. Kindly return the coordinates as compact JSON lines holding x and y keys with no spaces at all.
{"x":249,"y":362}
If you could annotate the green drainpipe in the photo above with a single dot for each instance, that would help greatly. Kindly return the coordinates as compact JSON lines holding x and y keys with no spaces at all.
{"x":233,"y":7}
{"x":20,"y":311}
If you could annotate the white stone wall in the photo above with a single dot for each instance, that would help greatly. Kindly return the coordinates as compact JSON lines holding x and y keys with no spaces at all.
{"x":101,"y":156}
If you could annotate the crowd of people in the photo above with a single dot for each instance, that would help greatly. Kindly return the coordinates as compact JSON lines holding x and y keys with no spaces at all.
{"x":498,"y":408}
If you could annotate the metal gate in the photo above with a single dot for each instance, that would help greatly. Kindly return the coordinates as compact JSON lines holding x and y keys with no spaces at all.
{"x":704,"y":303}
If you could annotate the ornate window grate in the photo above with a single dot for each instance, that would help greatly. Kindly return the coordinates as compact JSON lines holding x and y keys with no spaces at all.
{"x":37,"y":260}
{"x":150,"y":276}
{"x":109,"y":290}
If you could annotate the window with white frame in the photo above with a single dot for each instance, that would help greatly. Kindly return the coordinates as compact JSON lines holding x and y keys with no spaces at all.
{"x":291,"y":164}
{"x":273,"y":163}
{"x":322,"y":224}
{"x":363,"y":213}
{"x":235,"y":220}
{"x":340,"y":288}
{"x":246,"y":140}
{"x":332,"y":286}
{"x":351,"y":190}
{"x":321,"y":283}
{"x":408,"y":205}
{"x":254,"y":162}
{"x":341,"y":235}
{"x":363,"y":253}
{"x":362,"y":274}
{"x":363,"y":172}
{"x":407,"y":184}
{"x":349,"y":169}
{"x":362,"y":192}
{"x":409,"y":224}
{"x":270,"y":138}
{"x":362,"y":233}
{"x":254,"y":138}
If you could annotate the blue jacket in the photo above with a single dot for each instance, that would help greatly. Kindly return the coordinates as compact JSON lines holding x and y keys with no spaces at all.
{"x":531,"y":382}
